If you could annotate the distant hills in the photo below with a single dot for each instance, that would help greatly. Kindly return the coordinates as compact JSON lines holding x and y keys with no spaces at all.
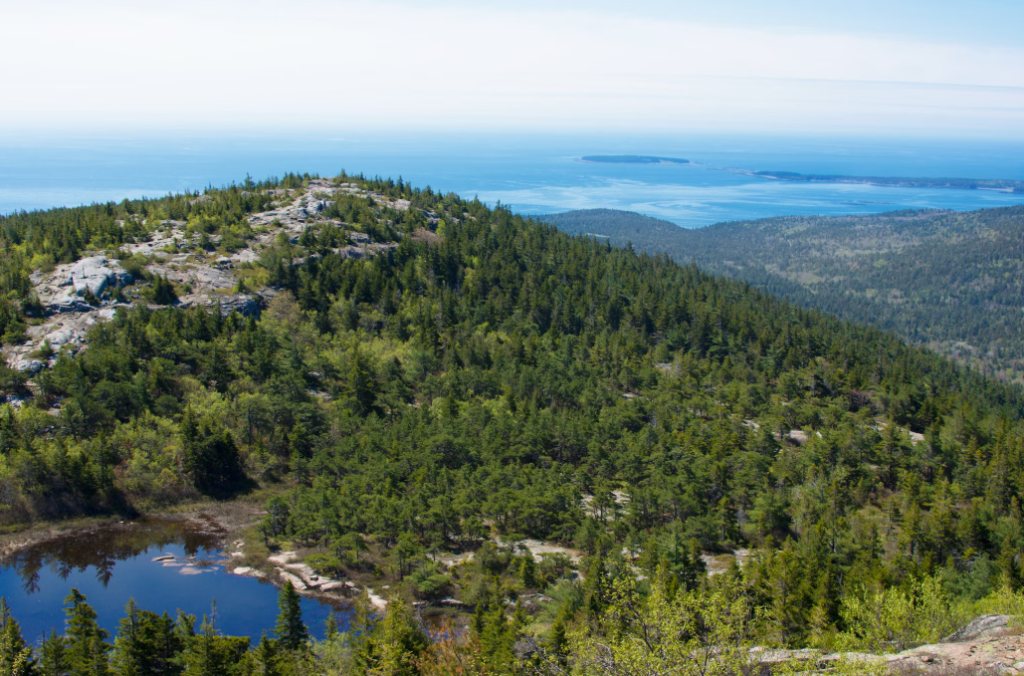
{"x":634,"y":159}
{"x":953,"y":281}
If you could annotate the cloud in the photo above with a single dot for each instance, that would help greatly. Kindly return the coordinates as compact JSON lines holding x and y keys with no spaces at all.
{"x":320,"y":63}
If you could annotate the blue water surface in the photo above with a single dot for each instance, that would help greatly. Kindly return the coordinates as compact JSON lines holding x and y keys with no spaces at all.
{"x":36,"y":584}
{"x":532,"y":174}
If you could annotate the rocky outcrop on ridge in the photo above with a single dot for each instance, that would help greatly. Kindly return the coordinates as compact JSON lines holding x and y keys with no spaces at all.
{"x":76,"y":296}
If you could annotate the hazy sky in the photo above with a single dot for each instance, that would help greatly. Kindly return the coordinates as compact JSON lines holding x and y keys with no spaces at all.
{"x":925,"y":68}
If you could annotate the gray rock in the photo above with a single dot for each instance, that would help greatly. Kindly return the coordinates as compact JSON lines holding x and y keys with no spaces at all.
{"x":95,"y":274}
{"x":30,"y":366}
{"x":980,"y":627}
{"x":62,"y":337}
{"x":246,"y":305}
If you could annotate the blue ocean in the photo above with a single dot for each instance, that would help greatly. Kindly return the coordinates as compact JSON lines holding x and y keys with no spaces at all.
{"x":533,"y":174}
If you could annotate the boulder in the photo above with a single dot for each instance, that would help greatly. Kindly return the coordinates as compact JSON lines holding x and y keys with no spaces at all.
{"x":247,"y":306}
{"x":980,"y":627}
{"x":30,"y":366}
{"x":94,"y":274}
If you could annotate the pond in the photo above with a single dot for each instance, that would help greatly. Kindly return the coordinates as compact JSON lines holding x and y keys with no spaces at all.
{"x":164,"y":566}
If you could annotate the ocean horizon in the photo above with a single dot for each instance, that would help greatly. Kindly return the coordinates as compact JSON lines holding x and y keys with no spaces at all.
{"x":532,"y":174}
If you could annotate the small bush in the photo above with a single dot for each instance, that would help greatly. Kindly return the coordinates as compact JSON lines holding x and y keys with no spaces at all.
{"x":325,"y":564}
{"x":429,"y":583}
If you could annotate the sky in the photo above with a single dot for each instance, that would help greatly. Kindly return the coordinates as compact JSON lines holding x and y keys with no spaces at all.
{"x":902,"y":68}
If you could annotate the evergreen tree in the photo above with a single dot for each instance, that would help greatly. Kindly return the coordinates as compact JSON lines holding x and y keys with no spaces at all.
{"x":163,"y":291}
{"x":290,"y":630}
{"x":264,"y":658}
{"x":146,"y":644}
{"x":331,"y":629}
{"x":53,"y":659}
{"x":210,"y":654}
{"x":211,"y":456}
{"x":86,"y":642}
{"x":15,"y":655}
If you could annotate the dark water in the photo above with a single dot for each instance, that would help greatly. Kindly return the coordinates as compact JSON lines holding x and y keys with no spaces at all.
{"x":533,"y":174}
{"x":113,"y":564}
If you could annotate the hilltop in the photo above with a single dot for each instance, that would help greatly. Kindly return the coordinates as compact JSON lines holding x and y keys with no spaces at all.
{"x":952,"y":281}
{"x":550,"y":439}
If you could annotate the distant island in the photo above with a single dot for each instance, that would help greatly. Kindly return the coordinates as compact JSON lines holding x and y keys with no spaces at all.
{"x":1002,"y":185}
{"x":635,"y":159}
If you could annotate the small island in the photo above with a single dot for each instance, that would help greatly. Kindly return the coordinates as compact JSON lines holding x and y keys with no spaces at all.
{"x":634,"y":159}
{"x":1002,"y":185}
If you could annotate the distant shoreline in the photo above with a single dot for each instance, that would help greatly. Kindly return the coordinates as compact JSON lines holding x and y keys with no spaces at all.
{"x":998,"y":185}
{"x":1008,"y":186}
{"x":634,"y":159}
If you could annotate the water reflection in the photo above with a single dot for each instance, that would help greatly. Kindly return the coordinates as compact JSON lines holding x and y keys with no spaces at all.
{"x":102,"y":548}
{"x":163,"y":565}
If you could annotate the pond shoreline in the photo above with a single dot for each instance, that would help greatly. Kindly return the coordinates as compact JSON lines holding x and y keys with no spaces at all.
{"x":231,"y":517}
{"x":227,"y":521}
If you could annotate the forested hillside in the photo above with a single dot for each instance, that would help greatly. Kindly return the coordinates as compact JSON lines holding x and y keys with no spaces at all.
{"x":951,"y":281}
{"x":479,"y":379}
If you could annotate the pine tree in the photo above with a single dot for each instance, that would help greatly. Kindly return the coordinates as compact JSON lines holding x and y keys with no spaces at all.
{"x":331,"y":629}
{"x":528,"y":571}
{"x":557,"y":642}
{"x":86,"y":641}
{"x":163,"y":291}
{"x":264,"y":658}
{"x":595,"y":586}
{"x":15,"y":655}
{"x":210,"y":654}
{"x":291,"y":631}
{"x":146,"y":644}
{"x":211,"y":456}
{"x":362,"y":383}
{"x":53,"y":659}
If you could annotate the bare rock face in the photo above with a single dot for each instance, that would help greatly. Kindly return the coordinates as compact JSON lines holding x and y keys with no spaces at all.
{"x":247,"y":305}
{"x":209,"y":281}
{"x":95,"y":274}
{"x":983,"y":626}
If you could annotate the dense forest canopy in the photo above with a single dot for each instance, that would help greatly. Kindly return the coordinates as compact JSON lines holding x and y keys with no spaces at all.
{"x":951,"y":281}
{"x":480,"y":379}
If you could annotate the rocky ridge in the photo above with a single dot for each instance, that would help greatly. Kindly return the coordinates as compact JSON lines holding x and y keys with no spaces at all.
{"x":75,"y":297}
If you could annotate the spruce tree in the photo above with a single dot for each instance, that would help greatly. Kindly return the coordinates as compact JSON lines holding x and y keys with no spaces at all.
{"x":53,"y":659}
{"x":264,"y":658}
{"x":291,"y":631}
{"x":86,"y":641}
{"x":15,"y":655}
{"x":163,"y":291}
{"x":331,"y":629}
{"x":146,"y":644}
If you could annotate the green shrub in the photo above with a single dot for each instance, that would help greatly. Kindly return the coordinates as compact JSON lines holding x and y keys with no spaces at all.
{"x":325,"y":564}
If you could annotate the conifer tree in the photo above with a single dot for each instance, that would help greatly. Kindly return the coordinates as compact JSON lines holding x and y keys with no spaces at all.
{"x":146,"y":644}
{"x":331,"y":629}
{"x":53,"y":658}
{"x":86,"y":642}
{"x":290,"y":629}
{"x":264,"y":658}
{"x":163,"y":291}
{"x":15,"y":655}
